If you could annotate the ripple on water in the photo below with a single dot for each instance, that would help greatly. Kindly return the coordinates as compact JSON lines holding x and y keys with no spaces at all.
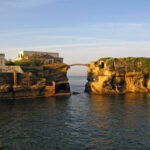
{"x":78,"y":122}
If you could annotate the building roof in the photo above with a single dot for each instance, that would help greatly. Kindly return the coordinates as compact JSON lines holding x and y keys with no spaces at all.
{"x":39,"y":52}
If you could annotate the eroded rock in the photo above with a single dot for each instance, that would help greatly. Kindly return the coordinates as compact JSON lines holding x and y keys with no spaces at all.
{"x":118,"y":76}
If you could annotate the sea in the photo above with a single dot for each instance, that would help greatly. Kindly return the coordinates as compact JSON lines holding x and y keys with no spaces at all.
{"x":77,"y":122}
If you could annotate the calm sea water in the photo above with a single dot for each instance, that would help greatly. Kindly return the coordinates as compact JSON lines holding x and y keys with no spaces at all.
{"x":79,"y":122}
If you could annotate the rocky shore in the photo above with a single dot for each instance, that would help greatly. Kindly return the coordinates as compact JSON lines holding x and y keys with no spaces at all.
{"x":119,"y":76}
{"x":41,"y":81}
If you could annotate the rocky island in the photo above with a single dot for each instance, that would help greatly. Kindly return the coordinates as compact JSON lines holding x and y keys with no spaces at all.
{"x":33,"y":74}
{"x":42,"y":74}
{"x":119,"y":76}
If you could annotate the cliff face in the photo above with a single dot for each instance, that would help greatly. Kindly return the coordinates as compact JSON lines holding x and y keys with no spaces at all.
{"x":119,"y":76}
{"x":41,"y":81}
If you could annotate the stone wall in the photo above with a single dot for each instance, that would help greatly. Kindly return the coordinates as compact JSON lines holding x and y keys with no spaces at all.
{"x":6,"y":78}
{"x":35,"y":82}
{"x":2,"y":59}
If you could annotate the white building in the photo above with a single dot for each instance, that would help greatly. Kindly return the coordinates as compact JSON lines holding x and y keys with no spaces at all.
{"x":2,"y":59}
{"x":27,"y":54}
{"x":49,"y":56}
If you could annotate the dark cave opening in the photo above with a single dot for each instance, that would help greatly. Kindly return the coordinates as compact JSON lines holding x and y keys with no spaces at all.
{"x":62,"y":88}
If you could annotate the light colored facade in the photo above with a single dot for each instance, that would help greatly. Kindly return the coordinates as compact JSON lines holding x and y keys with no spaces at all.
{"x":2,"y":59}
{"x":49,"y":57}
{"x":27,"y":54}
{"x":11,"y":69}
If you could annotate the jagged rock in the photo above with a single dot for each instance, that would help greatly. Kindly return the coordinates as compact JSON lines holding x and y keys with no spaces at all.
{"x":118,"y":76}
{"x":41,"y":81}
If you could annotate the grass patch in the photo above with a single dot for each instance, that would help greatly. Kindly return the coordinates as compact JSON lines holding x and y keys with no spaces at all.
{"x":139,"y":64}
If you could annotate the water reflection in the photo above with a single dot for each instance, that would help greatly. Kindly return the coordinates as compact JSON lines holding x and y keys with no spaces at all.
{"x":124,"y":119}
{"x":78,"y":122}
{"x":32,"y":124}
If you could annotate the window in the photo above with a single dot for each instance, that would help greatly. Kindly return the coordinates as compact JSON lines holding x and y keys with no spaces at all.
{"x":102,"y":65}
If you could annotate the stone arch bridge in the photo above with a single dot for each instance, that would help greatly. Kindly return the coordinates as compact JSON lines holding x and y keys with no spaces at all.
{"x":86,"y":65}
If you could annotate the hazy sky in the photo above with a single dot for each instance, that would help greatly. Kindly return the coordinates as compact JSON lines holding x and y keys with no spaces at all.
{"x":81,"y":30}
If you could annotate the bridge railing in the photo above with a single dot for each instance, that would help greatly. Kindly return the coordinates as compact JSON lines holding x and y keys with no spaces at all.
{"x":79,"y":65}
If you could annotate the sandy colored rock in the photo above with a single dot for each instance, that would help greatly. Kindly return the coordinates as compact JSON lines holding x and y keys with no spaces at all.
{"x":118,"y":76}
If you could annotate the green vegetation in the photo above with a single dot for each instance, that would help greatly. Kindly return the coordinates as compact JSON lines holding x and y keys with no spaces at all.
{"x":9,"y":63}
{"x":57,"y":65}
{"x":32,"y":61}
{"x":139,"y":64}
{"x":105,"y":59}
{"x":22,"y":63}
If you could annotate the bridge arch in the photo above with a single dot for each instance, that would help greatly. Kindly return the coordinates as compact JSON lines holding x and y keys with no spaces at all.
{"x":86,"y":65}
{"x":77,"y":69}
{"x":77,"y":75}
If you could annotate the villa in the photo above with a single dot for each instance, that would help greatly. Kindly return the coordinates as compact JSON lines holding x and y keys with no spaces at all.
{"x":49,"y":57}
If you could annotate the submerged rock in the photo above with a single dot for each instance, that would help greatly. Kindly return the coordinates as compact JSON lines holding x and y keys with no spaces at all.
{"x":75,"y":93}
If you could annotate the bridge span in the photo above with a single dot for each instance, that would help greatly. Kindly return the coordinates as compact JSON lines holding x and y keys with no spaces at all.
{"x":79,"y":65}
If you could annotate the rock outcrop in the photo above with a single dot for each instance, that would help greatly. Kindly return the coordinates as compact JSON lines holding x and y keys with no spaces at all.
{"x":41,"y":81}
{"x":119,"y":76}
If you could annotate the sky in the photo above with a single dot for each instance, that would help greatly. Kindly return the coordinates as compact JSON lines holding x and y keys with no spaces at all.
{"x":80,"y":30}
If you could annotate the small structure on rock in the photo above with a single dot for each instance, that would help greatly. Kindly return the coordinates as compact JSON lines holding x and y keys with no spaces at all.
{"x":119,"y":76}
{"x":8,"y":69}
{"x":48,"y":57}
{"x":2,"y":59}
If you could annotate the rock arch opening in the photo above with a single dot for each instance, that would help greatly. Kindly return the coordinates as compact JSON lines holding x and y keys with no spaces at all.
{"x":77,"y":75}
{"x":62,"y":88}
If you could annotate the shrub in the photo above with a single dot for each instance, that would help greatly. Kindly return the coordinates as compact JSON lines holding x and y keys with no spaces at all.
{"x":140,"y":64}
{"x":9,"y":63}
{"x":33,"y":61}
